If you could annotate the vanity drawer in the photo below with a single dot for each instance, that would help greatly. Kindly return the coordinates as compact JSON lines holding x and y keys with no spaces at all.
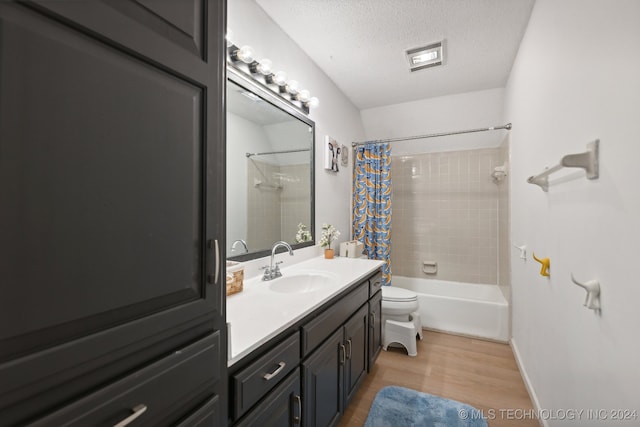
{"x":318,"y":329}
{"x":282,"y":406}
{"x":375,"y":284}
{"x":161,"y":393}
{"x":257,"y":379}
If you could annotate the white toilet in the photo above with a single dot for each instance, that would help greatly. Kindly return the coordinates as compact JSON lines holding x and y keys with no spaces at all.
{"x":400,"y":319}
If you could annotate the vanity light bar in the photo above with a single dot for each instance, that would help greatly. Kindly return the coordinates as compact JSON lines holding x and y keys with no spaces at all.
{"x":261,"y":71}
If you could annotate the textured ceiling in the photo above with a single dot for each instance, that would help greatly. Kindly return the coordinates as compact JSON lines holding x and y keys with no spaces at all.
{"x":360,"y":44}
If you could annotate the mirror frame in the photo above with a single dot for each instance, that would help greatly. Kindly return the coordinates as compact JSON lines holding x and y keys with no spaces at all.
{"x":238,"y":77}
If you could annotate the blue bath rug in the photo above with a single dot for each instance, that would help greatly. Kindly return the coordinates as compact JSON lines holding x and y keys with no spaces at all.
{"x":401,"y":407}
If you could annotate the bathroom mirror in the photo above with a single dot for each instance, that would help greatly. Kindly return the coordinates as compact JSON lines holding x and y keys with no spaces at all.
{"x":269,"y":169}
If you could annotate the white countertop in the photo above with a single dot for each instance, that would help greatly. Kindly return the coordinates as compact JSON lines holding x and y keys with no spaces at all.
{"x":258,"y":313}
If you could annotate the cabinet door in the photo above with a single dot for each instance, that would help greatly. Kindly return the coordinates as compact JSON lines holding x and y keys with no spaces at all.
{"x":111,"y":187}
{"x":322,"y":375}
{"x":355,"y":341}
{"x":281,"y":408}
{"x":375,"y":328}
{"x":206,"y":415}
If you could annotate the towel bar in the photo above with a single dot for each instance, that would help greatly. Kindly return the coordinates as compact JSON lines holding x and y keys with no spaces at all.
{"x":589,"y":161}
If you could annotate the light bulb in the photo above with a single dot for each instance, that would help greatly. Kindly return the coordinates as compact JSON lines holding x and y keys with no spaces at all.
{"x":245,"y":54}
{"x":313,"y":102}
{"x":280,"y":78}
{"x":293,"y":86}
{"x":304,"y":95}
{"x":264,"y":67}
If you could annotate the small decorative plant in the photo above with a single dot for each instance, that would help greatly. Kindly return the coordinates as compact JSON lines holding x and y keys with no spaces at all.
{"x":329,"y":234}
{"x":303,"y":235}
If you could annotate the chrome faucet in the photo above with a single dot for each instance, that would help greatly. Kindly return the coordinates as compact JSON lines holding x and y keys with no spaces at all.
{"x":272,"y":271}
{"x":243,"y":243}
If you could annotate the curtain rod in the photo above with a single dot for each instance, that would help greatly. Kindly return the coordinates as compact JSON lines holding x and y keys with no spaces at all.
{"x":432,"y":135}
{"x":277,"y":152}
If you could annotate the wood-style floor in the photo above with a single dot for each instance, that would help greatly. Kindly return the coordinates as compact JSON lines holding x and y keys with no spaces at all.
{"x":480,"y":373}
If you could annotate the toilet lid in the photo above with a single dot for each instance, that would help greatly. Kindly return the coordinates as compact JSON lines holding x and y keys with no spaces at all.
{"x":390,"y":293}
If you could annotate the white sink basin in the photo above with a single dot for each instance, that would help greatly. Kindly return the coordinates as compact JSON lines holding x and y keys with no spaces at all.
{"x":300,"y":283}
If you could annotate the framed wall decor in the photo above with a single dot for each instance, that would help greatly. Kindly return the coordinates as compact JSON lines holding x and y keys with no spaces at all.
{"x":332,"y":152}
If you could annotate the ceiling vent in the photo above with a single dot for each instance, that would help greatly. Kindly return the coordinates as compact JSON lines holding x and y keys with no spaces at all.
{"x":425,"y":57}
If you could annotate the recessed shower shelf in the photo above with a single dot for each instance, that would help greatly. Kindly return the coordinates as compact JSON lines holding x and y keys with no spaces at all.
{"x":589,"y":161}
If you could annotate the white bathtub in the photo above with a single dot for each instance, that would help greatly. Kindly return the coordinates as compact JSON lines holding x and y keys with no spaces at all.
{"x":462,"y":308}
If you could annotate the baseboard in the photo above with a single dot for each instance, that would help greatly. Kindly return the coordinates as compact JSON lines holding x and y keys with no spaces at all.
{"x":527,"y":382}
{"x":460,"y":334}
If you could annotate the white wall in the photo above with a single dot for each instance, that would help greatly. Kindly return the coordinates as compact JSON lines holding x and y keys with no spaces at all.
{"x":336,"y":116}
{"x":577,"y":78}
{"x":471,"y":110}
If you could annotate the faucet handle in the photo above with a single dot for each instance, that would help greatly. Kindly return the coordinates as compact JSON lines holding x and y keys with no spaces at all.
{"x":279,"y":262}
{"x":267,"y":272}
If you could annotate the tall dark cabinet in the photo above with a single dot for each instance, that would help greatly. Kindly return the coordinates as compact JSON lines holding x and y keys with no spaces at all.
{"x":112,"y":166}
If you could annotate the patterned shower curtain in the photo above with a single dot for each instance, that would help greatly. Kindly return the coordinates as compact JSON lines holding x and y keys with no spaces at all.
{"x":372,"y":203}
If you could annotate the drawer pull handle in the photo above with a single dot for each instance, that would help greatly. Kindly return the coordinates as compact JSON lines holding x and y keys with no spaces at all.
{"x":343,"y":353}
{"x":349,"y":352}
{"x":137,"y":411}
{"x":280,"y":367}
{"x":298,"y":419}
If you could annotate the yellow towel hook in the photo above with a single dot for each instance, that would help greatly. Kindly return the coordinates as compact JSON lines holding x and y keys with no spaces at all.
{"x":545,"y":264}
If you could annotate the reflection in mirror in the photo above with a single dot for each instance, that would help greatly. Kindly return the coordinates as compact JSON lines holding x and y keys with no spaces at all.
{"x":269,"y":170}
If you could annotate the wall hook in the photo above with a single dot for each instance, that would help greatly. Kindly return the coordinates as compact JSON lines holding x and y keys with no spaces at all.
{"x":592,"y":287}
{"x":523,"y":251}
{"x":546,"y":263}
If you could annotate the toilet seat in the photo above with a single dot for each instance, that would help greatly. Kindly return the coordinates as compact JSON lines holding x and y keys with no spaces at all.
{"x":390,"y":293}
{"x":398,"y":302}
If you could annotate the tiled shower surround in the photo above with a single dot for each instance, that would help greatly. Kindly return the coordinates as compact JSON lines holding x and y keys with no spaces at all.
{"x":504,"y":224}
{"x":446,"y":209}
{"x":281,"y":195}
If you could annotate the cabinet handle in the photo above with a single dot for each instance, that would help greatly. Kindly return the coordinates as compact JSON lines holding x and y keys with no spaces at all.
{"x":213,"y":244}
{"x":373,"y":320}
{"x":137,"y":411}
{"x":349,"y":352}
{"x":280,"y":367}
{"x":343,"y":353}
{"x":298,"y":419}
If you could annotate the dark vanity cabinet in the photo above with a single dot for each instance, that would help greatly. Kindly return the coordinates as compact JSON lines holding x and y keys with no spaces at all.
{"x":375,"y":319}
{"x":112,"y":213}
{"x":323,"y":375}
{"x":320,"y":362}
{"x":356,"y":354}
{"x":333,"y":372}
